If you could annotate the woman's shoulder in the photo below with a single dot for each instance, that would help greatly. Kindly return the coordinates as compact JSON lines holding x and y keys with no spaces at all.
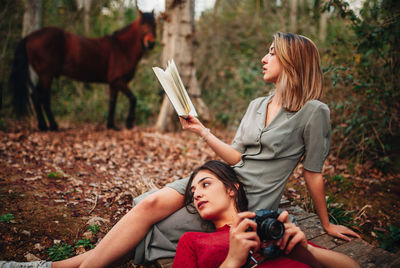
{"x":314,"y":105}
{"x":257,"y":102}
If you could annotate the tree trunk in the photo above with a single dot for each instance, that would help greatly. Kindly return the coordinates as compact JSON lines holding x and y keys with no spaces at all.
{"x":323,"y":25}
{"x":86,"y":5}
{"x":32,"y":16}
{"x":177,"y":42}
{"x":293,"y":16}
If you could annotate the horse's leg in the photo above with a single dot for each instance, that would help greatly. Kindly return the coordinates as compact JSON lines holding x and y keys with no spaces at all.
{"x":49,"y":113}
{"x":37,"y":100}
{"x":112,"y":103}
{"x":132,"y":105}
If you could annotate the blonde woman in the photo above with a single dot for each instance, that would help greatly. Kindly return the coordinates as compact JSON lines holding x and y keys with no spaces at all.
{"x":276,"y":133}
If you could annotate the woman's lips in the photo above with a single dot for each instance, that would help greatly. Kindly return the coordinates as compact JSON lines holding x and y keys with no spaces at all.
{"x":201,"y":204}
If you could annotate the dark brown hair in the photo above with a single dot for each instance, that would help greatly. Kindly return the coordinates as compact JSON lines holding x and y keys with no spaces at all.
{"x":227,"y":176}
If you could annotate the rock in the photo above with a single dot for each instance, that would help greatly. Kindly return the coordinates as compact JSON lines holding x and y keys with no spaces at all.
{"x":88,"y":235}
{"x":96,"y":220}
{"x":25,"y":232}
{"x":30,"y":257}
{"x":80,"y":250}
{"x":39,"y":247}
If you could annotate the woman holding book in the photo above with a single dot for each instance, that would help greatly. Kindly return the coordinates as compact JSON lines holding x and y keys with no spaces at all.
{"x":218,"y":196}
{"x":275,"y":134}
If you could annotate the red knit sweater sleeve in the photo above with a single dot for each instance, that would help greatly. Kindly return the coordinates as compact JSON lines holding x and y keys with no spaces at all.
{"x":185,"y":254}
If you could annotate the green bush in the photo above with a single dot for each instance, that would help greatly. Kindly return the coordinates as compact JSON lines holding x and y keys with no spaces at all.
{"x":94,"y":228}
{"x":6,"y":218}
{"x":366,"y":114}
{"x":85,"y":243}
{"x":60,"y":252}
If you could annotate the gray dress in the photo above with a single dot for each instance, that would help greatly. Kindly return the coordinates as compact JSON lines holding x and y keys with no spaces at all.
{"x":269,"y":156}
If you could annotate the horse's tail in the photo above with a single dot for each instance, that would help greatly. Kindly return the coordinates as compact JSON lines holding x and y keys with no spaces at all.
{"x":19,"y":79}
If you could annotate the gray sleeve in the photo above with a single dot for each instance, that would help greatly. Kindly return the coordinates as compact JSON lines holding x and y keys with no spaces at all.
{"x":317,"y":138}
{"x":179,"y":185}
{"x":237,"y":142}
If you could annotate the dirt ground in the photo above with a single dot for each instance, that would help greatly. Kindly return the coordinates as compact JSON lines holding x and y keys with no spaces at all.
{"x":53,"y":183}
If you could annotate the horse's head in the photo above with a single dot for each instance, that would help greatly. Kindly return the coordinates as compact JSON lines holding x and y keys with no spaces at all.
{"x":147,"y":29}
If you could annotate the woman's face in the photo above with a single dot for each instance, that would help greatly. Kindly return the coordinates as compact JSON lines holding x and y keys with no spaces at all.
{"x":211,"y":198}
{"x":272,"y":67}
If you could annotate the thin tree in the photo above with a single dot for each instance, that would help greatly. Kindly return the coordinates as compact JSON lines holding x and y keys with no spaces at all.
{"x":32,"y":16}
{"x":177,"y":42}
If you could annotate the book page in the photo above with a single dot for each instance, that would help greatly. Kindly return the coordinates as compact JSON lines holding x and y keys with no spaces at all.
{"x":175,"y":90}
{"x":170,"y":89}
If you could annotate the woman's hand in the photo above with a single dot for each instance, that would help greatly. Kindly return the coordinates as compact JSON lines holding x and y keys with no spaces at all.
{"x":293,"y":234}
{"x":193,"y":124}
{"x":242,"y":239}
{"x":340,"y":231}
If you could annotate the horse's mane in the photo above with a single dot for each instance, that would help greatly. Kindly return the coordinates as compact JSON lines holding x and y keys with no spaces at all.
{"x":148,"y":18}
{"x":145,"y":18}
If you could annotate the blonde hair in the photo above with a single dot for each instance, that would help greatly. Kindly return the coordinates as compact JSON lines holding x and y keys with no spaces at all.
{"x":301,"y":78}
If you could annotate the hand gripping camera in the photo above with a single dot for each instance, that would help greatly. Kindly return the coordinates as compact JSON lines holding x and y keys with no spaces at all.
{"x":269,"y":229}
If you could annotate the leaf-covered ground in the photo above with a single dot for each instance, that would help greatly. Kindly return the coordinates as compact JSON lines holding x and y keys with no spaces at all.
{"x":54,"y":185}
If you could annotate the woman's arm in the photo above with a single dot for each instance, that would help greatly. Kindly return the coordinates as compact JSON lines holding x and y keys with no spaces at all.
{"x":327,"y":258}
{"x":315,"y":186}
{"x":223,"y":150}
{"x":332,"y":259}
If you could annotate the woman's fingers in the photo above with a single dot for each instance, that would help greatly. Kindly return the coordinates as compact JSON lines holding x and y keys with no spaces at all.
{"x":284,"y":217}
{"x":246,"y":239}
{"x":242,"y":240}
{"x":286,"y":236}
{"x":291,"y":237}
{"x":340,"y":231}
{"x":298,"y":237}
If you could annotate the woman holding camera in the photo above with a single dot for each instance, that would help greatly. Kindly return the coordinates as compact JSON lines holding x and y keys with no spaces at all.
{"x":218,"y":196}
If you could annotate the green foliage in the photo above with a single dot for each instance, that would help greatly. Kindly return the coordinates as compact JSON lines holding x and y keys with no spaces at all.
{"x":366,"y":119}
{"x":343,"y":182}
{"x":6,"y":218}
{"x":57,"y":175}
{"x":94,"y":228}
{"x":60,"y":252}
{"x":86,"y":243}
{"x":390,"y":241}
{"x":338,"y":214}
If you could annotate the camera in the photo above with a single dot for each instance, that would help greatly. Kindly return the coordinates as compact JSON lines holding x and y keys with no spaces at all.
{"x":269,"y":229}
{"x":268,"y":226}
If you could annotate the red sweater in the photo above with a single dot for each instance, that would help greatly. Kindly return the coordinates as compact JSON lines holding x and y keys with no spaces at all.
{"x":196,"y":249}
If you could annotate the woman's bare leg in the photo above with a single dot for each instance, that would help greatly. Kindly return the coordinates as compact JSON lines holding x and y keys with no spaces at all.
{"x":73,"y":262}
{"x":129,"y":231}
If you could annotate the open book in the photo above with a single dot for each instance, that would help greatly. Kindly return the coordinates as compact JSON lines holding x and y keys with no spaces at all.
{"x":176,"y":92}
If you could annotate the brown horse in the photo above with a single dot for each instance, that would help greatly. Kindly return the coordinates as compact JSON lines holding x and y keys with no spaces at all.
{"x":51,"y":52}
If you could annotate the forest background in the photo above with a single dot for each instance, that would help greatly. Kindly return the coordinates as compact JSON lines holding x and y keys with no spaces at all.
{"x":360,"y":58}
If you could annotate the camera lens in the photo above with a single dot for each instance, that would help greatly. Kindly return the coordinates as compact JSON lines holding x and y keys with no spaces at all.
{"x":271,"y":229}
{"x":276,"y":230}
